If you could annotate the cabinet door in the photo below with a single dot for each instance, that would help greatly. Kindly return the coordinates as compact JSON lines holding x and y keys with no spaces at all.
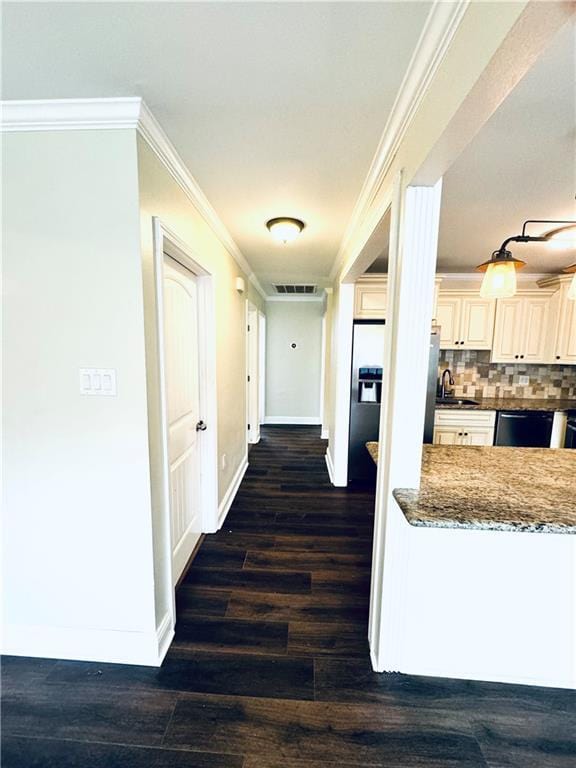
{"x":448,"y":435}
{"x":535,"y":330}
{"x":370,"y":302}
{"x":478,"y":436}
{"x":448,"y":317}
{"x":566,"y":347}
{"x":477,"y":327}
{"x":507,"y":331}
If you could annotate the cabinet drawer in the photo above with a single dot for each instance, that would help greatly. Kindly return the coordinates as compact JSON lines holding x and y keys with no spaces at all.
{"x":458,"y":417}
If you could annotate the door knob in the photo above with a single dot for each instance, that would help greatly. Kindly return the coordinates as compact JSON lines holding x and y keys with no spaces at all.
{"x":201,"y":427}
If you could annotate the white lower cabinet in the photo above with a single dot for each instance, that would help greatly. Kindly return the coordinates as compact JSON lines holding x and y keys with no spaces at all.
{"x":462,"y":427}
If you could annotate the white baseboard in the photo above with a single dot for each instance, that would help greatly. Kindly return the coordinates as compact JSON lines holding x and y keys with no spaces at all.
{"x":313,"y":421}
{"x":325,"y":434}
{"x":228,"y":498}
{"x":164,"y":636}
{"x":77,"y":644}
{"x":330,"y":466}
{"x":255,"y":439}
{"x":455,"y":673}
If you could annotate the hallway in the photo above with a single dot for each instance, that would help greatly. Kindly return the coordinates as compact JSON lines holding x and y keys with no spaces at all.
{"x":270,"y":667}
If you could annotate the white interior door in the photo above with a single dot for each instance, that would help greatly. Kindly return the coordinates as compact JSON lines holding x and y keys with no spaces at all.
{"x":252,"y":366}
{"x":183,"y":409}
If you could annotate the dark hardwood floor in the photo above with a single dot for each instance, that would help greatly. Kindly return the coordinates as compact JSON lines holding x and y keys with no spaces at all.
{"x":269,"y":667}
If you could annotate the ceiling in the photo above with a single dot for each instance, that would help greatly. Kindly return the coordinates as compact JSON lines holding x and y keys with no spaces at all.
{"x":521,"y":165}
{"x":276,"y":108}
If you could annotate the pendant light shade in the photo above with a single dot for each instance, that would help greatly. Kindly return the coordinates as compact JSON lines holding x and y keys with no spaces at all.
{"x":500,"y":275}
{"x":285,"y":229}
{"x":500,"y":278}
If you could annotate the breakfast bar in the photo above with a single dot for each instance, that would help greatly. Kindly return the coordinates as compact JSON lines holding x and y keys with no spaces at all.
{"x":479,"y":565}
{"x":492,"y":488}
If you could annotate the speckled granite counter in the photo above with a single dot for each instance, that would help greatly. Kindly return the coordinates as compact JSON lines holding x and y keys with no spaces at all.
{"x":512,"y":404}
{"x":493,"y":488}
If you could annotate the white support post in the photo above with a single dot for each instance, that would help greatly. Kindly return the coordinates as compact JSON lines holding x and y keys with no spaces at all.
{"x":337,"y":453}
{"x":411,"y":271}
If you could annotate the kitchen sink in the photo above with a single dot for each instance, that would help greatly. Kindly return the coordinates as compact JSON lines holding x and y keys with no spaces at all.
{"x":455,"y":401}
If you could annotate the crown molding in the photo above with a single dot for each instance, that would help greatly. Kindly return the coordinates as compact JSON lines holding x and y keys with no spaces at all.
{"x":115,"y":114}
{"x":476,"y":277}
{"x":69,"y":114}
{"x":441,"y":25}
{"x":319,"y":297}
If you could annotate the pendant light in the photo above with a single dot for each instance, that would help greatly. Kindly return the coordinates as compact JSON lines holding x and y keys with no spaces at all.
{"x":500,"y":270}
{"x":284,"y":229}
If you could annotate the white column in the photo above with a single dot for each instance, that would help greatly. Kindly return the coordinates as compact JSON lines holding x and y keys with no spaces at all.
{"x":343,"y":318}
{"x":411,"y":271}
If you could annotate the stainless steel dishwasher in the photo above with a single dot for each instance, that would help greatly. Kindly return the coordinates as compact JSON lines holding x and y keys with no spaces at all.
{"x":524,"y":429}
{"x":570,"y":440}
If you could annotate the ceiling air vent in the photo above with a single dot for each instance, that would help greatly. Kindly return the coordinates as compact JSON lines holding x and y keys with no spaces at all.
{"x":295,"y":289}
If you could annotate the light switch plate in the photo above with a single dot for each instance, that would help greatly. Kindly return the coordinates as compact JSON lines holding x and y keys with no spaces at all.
{"x":98,"y":381}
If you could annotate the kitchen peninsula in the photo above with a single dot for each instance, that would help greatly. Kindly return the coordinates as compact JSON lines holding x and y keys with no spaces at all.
{"x":492,"y":488}
{"x":480,"y":565}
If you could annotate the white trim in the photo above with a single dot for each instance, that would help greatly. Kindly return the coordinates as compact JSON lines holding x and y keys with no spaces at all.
{"x":167,"y":242}
{"x":314,"y":421}
{"x":231,"y":492}
{"x":261,"y":367}
{"x":295,"y":297}
{"x":70,"y":114}
{"x":323,"y":369}
{"x":325,"y":434}
{"x":330,"y":466}
{"x":413,"y":248}
{"x":252,"y":371}
{"x":130,"y":113}
{"x":476,"y":277}
{"x":164,"y":635}
{"x":441,"y":25}
{"x":100,"y":645}
{"x":342,"y":360}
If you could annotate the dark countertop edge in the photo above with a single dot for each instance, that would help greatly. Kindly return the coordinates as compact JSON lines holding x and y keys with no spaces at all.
{"x":514,"y":404}
{"x":472,"y":524}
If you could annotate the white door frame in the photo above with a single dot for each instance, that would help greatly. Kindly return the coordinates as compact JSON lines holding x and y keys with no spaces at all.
{"x":167,"y":242}
{"x":261,"y":367}
{"x":252,"y":374}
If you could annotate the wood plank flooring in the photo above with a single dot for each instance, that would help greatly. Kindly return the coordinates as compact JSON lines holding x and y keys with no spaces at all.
{"x":269,"y":667}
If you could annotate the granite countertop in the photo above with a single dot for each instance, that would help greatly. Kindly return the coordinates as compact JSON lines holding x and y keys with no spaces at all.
{"x":511,"y":404}
{"x":492,"y":488}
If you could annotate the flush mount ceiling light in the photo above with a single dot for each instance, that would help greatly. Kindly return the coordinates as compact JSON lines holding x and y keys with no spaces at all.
{"x":500,"y":270}
{"x":284,"y":229}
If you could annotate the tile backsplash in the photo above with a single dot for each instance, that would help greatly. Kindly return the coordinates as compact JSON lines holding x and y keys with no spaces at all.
{"x":475,"y":376}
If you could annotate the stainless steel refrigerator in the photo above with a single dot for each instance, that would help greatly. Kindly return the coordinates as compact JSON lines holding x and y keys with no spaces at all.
{"x":366,"y":394}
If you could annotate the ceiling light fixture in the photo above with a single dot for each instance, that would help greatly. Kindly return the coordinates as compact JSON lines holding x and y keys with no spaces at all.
{"x":284,"y":229}
{"x":500,"y":270}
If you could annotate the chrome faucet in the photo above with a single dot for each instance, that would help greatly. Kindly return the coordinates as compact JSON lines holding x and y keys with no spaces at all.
{"x":443,"y":392}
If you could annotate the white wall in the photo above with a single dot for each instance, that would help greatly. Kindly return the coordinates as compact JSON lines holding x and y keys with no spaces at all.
{"x":84,"y":558}
{"x":493,"y":605}
{"x":78,"y":571}
{"x":293,"y":375}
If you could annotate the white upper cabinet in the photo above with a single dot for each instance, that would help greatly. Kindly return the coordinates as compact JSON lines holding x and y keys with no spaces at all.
{"x":370,"y":299}
{"x":565,"y":348}
{"x":523,"y":328}
{"x":563,"y":341}
{"x":466,"y":320}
